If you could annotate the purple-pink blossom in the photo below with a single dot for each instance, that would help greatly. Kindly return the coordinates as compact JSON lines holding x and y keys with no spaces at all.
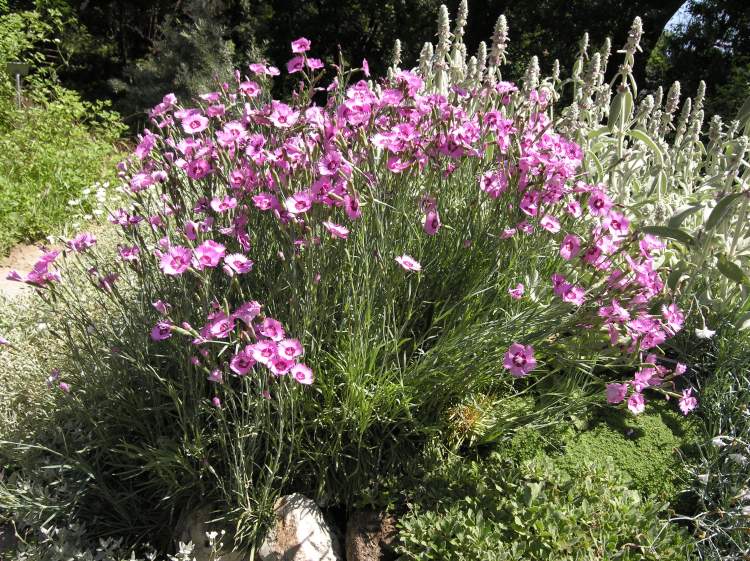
{"x":302,"y":374}
{"x":272,"y":329}
{"x":289,"y":348}
{"x":242,"y":362}
{"x":687,"y":402}
{"x":162,"y":330}
{"x":263,"y":351}
{"x":216,"y":376}
{"x":616,"y":393}
{"x":336,"y":230}
{"x":295,"y":64}
{"x":599,"y":203}
{"x":176,"y":260}
{"x":162,"y":307}
{"x":298,"y":203}
{"x":519,"y":359}
{"x":674,"y":319}
{"x":574,"y":295}
{"x":223,"y":204}
{"x":636,"y":403}
{"x":195,"y":123}
{"x":570,"y":247}
{"x":431,"y":222}
{"x":129,"y":253}
{"x":208,"y":254}
{"x":408,"y":263}
{"x":517,"y":292}
{"x":247,"y":312}
{"x":300,"y":45}
{"x":550,"y":223}
{"x":280,"y":365}
{"x":237,"y":264}
{"x":351,"y":207}
{"x":82,"y":242}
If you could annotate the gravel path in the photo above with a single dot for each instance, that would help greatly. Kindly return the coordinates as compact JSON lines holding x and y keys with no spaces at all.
{"x":21,"y":259}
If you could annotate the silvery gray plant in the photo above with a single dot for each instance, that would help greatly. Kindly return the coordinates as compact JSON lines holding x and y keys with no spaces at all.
{"x":681,"y":180}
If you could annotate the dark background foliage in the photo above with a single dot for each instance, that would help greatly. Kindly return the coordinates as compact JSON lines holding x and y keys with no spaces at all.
{"x":133,"y":51}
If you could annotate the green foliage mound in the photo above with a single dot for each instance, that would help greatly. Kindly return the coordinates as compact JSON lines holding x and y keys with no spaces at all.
{"x":644,"y":448}
{"x":534,"y":510}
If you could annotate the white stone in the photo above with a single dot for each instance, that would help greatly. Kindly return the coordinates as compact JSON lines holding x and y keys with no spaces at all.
{"x":299,"y":533}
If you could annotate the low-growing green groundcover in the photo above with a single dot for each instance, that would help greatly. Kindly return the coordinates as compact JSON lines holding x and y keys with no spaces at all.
{"x":498,"y":509}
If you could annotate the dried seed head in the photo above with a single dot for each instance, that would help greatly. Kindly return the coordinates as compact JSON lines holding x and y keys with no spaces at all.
{"x":682,"y":122}
{"x":659,"y":96}
{"x":458,"y":63}
{"x":481,"y":60}
{"x":732,"y":130}
{"x":570,"y":120}
{"x":700,"y":95}
{"x":443,"y":33}
{"x":461,"y":19}
{"x":603,"y":98}
{"x":471,"y":71}
{"x":499,"y":42}
{"x":645,"y":107}
{"x":605,"y":53}
{"x":592,"y":76}
{"x":696,"y":124}
{"x":714,"y":129}
{"x":591,"y":79}
{"x":633,"y":43}
{"x":584,"y":44}
{"x":425,"y":60}
{"x":735,"y":159}
{"x":673,"y":98}
{"x":396,"y":58}
{"x":531,"y":77}
{"x":577,"y":68}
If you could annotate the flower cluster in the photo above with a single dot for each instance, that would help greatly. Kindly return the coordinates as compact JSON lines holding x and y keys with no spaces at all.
{"x":42,"y":273}
{"x":270,"y":346}
{"x":309,"y":172}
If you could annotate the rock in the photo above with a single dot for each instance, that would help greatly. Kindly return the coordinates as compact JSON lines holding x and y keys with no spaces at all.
{"x":370,"y":536}
{"x":299,"y":533}
{"x":194,"y":528}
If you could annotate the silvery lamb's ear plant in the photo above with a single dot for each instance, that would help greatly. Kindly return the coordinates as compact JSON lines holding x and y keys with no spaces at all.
{"x":680,"y":180}
{"x":681,"y":184}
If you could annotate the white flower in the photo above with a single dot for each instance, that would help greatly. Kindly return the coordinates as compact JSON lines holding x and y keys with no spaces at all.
{"x":703,"y":478}
{"x":718,"y":441}
{"x":704,"y":333}
{"x":739,"y":458}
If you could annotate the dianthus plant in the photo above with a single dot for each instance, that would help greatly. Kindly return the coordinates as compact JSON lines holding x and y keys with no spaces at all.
{"x":364,"y":239}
